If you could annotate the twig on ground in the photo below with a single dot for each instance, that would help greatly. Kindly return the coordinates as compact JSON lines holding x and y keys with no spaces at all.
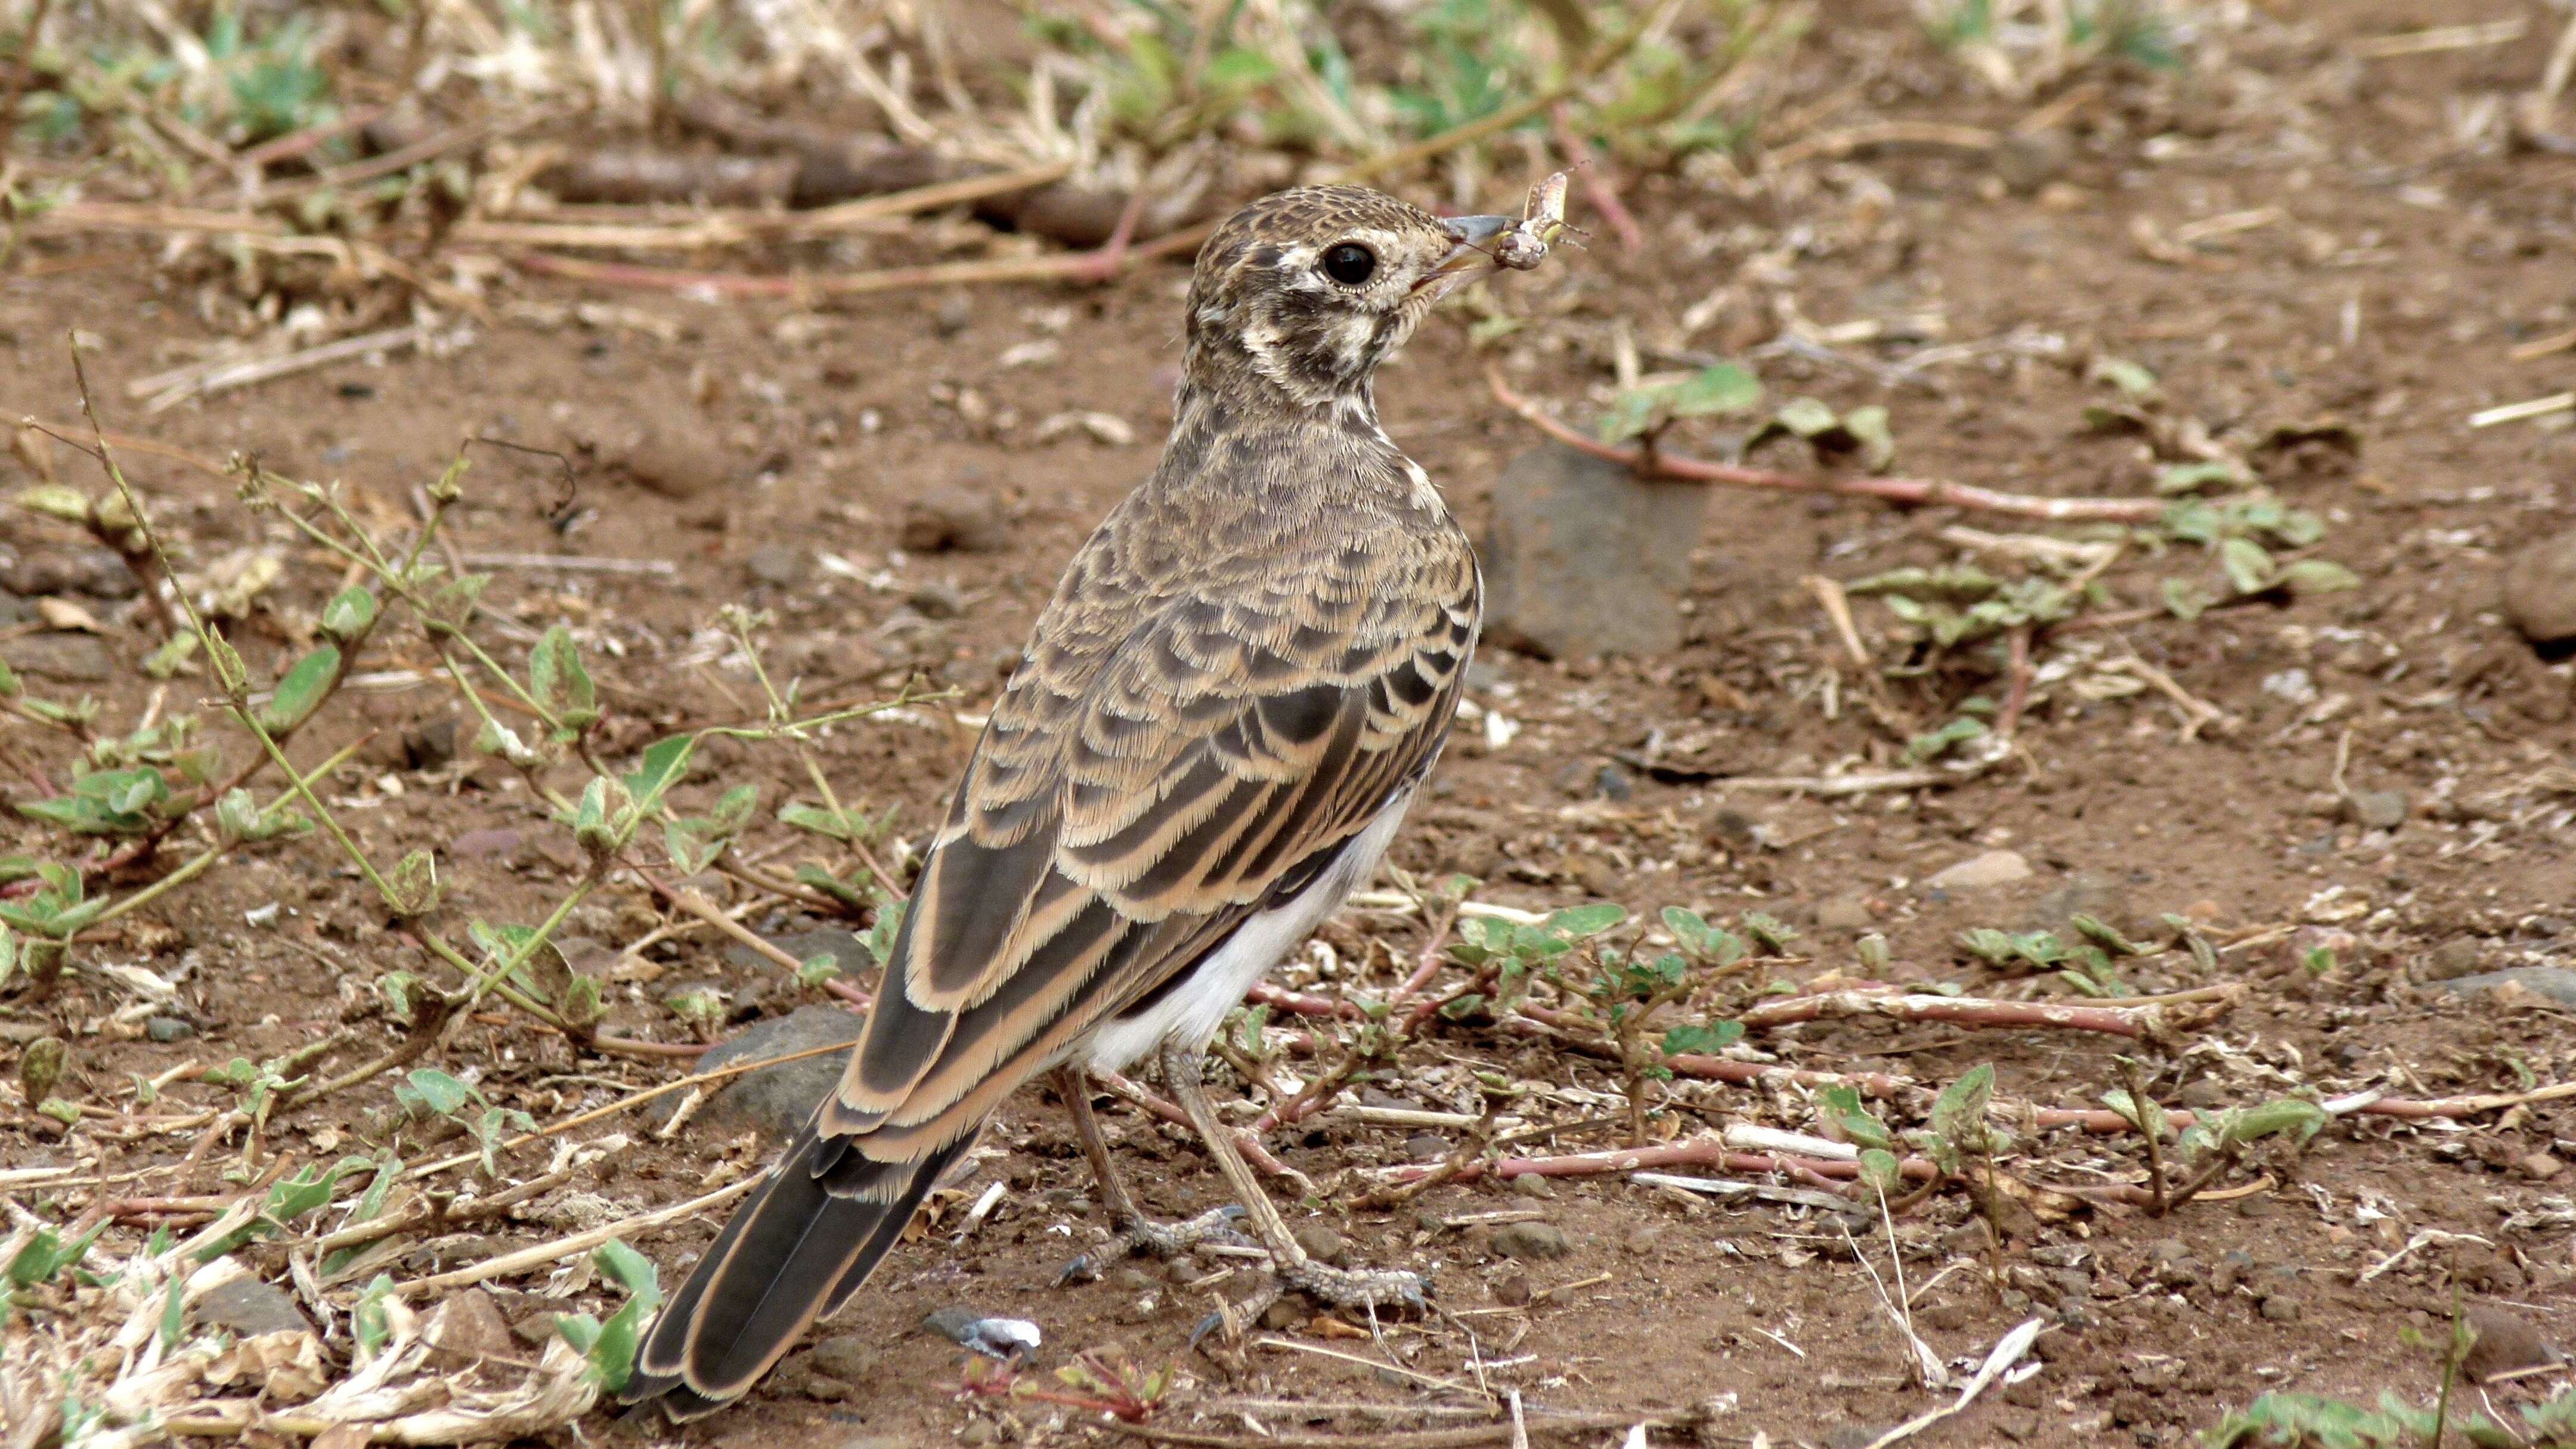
{"x":1920,"y":492}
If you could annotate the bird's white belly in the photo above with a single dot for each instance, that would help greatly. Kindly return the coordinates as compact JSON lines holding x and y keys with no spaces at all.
{"x":1192,"y":1012}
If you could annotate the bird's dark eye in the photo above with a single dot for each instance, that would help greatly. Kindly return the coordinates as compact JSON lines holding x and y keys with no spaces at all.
{"x":1350,"y":264}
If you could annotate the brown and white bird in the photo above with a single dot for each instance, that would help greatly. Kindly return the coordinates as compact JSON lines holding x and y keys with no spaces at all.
{"x":1211,"y":736}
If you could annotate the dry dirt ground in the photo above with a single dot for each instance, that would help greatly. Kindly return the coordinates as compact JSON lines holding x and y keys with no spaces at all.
{"x":2384,"y":283}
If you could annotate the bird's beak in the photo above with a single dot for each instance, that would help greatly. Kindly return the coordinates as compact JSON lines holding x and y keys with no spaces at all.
{"x":1472,"y":234}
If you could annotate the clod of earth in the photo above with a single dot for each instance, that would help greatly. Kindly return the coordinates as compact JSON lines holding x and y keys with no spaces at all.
{"x":1977,"y":872}
{"x":2540,"y":590}
{"x":777,"y":1100}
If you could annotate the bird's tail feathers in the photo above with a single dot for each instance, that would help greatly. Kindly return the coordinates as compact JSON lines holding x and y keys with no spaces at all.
{"x":800,"y":1247}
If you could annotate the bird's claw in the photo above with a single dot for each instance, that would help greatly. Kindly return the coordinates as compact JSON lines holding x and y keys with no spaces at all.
{"x":1163,"y":1240}
{"x":1365,"y":1289}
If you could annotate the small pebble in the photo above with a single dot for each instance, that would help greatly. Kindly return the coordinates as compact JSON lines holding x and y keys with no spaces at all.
{"x":2505,"y":1342}
{"x":2280,"y":1308}
{"x":2540,"y":590}
{"x":167,"y":1028}
{"x":776,"y":564}
{"x":1994,"y":868}
{"x":1531,"y":1241}
{"x":1531,"y":1184}
{"x":1321,"y":1243}
{"x":1843,"y":913}
{"x":2377,"y":809}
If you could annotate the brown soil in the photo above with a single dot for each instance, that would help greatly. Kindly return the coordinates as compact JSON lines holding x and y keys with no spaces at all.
{"x":2388,"y":293}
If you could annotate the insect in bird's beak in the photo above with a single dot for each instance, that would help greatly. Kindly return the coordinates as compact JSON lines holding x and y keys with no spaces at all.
{"x":1473,"y":234}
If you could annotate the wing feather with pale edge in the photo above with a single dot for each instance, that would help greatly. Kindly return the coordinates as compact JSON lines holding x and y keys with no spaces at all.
{"x":1129,"y":806}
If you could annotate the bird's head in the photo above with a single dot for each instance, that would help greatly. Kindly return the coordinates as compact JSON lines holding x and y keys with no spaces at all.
{"x":1305,"y":292}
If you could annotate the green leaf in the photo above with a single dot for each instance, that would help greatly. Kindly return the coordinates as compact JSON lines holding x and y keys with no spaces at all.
{"x":818,"y":968}
{"x":559,"y":682}
{"x":1692,"y":1039}
{"x":578,"y":1329}
{"x":882,"y":932}
{"x":629,"y":1270}
{"x":445,"y":1095}
{"x":2247,"y":564}
{"x":2133,"y":381}
{"x":1580,"y":922}
{"x":167,"y":661}
{"x":368,"y":1322}
{"x":1726,"y":388}
{"x":590,"y":827}
{"x":2145,"y":1114}
{"x":1881,"y":1170}
{"x":411,"y":888}
{"x":1774,"y":934}
{"x":1959,"y":1113}
{"x":691,"y":848}
{"x":814,"y":818}
{"x":2184,"y":599}
{"x":663,"y":764}
{"x":301,"y":691}
{"x":10,"y":687}
{"x":733,"y":809}
{"x":1937,"y":742}
{"x":2317,"y":576}
{"x":2193,"y":477}
{"x":350,"y":614}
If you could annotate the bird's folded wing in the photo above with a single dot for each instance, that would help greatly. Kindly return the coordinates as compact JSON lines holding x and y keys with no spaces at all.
{"x":1114,"y":829}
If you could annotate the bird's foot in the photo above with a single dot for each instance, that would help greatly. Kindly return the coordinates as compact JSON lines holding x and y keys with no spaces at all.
{"x":1367,"y":1291}
{"x":1163,"y":1240}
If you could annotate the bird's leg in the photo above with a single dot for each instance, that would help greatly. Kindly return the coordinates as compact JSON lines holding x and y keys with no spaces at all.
{"x":1364,"y":1288}
{"x":1134,"y":1232}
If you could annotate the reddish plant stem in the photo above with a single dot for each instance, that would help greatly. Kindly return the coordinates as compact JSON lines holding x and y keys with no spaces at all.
{"x":1427,"y":965}
{"x":2018,"y":677}
{"x":1962,"y":1010}
{"x":1552,"y":1024}
{"x":1299,"y":1003}
{"x":1920,"y":492}
{"x":1697,"y":1152}
{"x":1153,"y":1104}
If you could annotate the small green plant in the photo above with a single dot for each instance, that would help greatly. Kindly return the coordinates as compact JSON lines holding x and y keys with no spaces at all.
{"x":1645,"y":412}
{"x":426,"y":1089}
{"x":611,"y":1347}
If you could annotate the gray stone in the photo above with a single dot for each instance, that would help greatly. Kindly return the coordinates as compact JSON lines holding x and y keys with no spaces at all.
{"x":2553,"y":983}
{"x":844,"y":949}
{"x":2457,"y":957}
{"x":678,"y":464}
{"x":2540,"y":590}
{"x":496,"y":843}
{"x":71,"y":658}
{"x":1321,"y":1243}
{"x":1531,"y":1240}
{"x":2086,"y":893}
{"x":1994,"y":868}
{"x":2280,"y":1308}
{"x":167,"y":1028}
{"x":1532,"y":1185}
{"x":2376,"y":809}
{"x":1583,"y":557}
{"x":1843,"y":913}
{"x":777,"y":565}
{"x":1426,"y":1147}
{"x":2505,"y":1342}
{"x":844,"y":1356}
{"x":2027,"y":162}
{"x":778,"y":1100}
{"x":467,"y":1328}
{"x":953,"y":516}
{"x":97,"y":572}
{"x":245,"y":1308}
